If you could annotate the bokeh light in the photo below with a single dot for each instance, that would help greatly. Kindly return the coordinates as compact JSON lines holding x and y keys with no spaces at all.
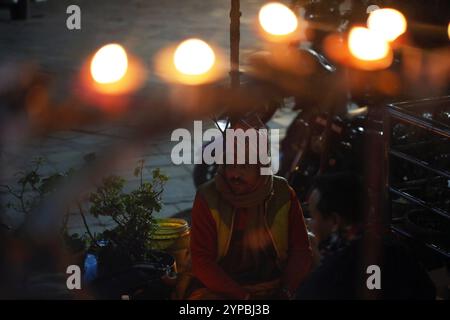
{"x":448,"y":30}
{"x":194,"y":57}
{"x":192,"y":62}
{"x":109,"y":78}
{"x":109,"y":64}
{"x":277,"y":19}
{"x":367,"y":45}
{"x":389,"y":23}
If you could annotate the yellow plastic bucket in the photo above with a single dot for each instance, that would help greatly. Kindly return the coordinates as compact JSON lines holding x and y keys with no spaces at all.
{"x":172,"y":236}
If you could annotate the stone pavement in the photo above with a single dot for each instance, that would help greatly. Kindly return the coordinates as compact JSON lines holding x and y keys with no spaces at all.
{"x":144,"y":27}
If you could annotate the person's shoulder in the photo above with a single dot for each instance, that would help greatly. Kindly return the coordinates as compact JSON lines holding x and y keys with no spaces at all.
{"x":207,"y":187}
{"x":209,"y":193}
{"x":280,"y":183}
{"x":280,"y":180}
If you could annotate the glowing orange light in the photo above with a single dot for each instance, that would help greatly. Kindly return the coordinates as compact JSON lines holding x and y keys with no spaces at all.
{"x":277,"y":19}
{"x":109,"y":77}
{"x":194,"y":57}
{"x":367,"y":45}
{"x":389,"y":23}
{"x":191,"y":62}
{"x":109,"y":64}
{"x":448,"y":30}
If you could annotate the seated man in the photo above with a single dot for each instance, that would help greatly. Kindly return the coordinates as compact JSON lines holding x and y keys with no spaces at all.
{"x":348,"y":248}
{"x":248,"y":237}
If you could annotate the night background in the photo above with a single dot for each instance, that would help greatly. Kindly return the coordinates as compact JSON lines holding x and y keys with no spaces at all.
{"x":87,"y":177}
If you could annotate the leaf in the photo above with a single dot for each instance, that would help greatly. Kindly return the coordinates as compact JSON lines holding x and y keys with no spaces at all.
{"x":132,"y":211}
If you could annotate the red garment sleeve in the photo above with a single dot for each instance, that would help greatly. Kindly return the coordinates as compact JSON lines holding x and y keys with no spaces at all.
{"x":204,"y":253}
{"x":300,"y":254}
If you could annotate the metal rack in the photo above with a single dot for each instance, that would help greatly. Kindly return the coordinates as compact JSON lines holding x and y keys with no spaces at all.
{"x":412,"y":114}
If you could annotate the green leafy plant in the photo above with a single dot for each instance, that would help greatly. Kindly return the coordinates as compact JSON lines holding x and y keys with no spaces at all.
{"x":132,"y":213}
{"x":30,"y":189}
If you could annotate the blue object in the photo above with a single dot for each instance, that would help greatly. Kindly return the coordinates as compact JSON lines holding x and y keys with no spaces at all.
{"x":90,"y":268}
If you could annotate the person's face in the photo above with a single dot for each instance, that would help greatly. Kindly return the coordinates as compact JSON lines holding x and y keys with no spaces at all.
{"x":322,"y":226}
{"x":242,"y":177}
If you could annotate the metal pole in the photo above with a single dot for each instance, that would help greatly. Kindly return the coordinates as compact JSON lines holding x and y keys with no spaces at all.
{"x":235,"y":15}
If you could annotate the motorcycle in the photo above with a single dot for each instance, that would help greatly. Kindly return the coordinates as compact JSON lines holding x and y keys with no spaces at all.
{"x":319,"y":139}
